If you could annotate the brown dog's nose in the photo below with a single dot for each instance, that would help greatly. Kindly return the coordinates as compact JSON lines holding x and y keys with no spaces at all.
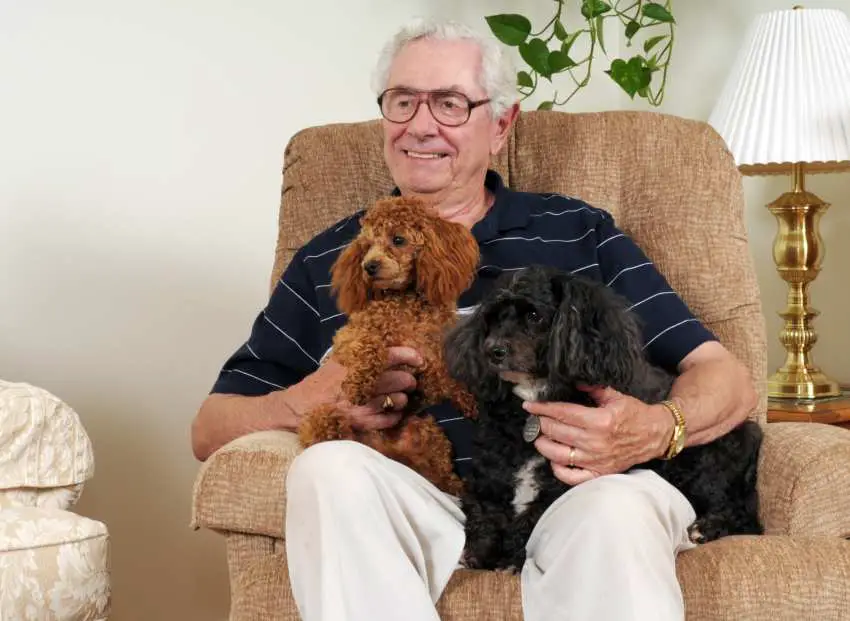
{"x":372,"y":267}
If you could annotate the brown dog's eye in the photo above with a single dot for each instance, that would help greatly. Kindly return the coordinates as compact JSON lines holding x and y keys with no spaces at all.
{"x":398,"y":240}
{"x":532,"y":317}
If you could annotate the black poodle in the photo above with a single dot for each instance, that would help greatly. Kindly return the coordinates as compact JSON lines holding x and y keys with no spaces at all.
{"x":536,"y":335}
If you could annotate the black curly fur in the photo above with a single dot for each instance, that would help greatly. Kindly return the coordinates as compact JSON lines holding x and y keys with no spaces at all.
{"x":567,"y":330}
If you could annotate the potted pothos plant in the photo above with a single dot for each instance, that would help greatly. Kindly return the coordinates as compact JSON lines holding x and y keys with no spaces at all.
{"x":564,"y":48}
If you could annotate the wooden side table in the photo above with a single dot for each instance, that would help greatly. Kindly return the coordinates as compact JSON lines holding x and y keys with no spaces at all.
{"x":832,"y":410}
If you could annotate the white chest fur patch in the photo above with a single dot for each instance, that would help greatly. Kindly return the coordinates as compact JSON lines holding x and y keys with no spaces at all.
{"x":530,"y":390}
{"x":525,"y":485}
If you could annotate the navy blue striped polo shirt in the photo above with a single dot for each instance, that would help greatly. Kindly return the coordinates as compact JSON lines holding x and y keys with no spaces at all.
{"x":294,"y":332}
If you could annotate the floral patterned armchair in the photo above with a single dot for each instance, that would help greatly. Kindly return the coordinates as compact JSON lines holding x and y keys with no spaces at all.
{"x":53,"y":562}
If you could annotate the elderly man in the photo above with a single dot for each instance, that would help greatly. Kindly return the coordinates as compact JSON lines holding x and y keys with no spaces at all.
{"x":366,"y":537}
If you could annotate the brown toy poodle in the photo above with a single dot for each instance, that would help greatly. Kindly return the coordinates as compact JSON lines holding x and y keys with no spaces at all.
{"x":398,"y":282}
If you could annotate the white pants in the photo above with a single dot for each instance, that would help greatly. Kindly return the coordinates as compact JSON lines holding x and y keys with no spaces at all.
{"x":368,"y":539}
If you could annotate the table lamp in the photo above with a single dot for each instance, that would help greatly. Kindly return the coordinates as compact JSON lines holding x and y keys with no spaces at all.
{"x":785,"y":109}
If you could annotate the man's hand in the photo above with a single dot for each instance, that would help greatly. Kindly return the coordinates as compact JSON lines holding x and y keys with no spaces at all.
{"x":583,"y":442}
{"x":325,"y":386}
{"x":224,"y":417}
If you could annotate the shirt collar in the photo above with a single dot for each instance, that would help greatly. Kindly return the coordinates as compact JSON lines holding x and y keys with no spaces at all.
{"x":503,"y":215}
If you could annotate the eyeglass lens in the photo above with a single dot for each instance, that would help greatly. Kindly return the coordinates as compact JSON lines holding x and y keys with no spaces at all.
{"x":447,"y":107}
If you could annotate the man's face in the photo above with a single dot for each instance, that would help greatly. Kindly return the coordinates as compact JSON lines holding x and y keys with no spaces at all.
{"x":423,"y":155}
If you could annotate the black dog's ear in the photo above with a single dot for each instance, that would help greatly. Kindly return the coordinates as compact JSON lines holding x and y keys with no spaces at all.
{"x":466,"y":361}
{"x":463,"y":349}
{"x":594,"y":339}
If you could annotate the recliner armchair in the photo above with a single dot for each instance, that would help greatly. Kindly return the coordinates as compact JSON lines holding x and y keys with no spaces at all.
{"x":673,"y":186}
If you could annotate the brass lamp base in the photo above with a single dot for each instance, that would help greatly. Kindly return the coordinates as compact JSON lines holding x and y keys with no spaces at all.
{"x":798,"y":252}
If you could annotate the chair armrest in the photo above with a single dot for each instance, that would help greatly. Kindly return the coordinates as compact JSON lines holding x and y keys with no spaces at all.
{"x":803,"y":482}
{"x":242,"y":486}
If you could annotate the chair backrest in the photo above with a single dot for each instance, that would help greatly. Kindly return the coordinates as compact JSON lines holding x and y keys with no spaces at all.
{"x":670,"y":183}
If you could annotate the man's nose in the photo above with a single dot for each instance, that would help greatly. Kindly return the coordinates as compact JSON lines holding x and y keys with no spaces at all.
{"x":423,"y":122}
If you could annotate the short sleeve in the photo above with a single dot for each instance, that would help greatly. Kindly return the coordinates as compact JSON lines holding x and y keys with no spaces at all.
{"x":283,"y":345}
{"x":671,"y":331}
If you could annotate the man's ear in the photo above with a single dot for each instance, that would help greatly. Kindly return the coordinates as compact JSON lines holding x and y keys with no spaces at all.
{"x":503,"y":126}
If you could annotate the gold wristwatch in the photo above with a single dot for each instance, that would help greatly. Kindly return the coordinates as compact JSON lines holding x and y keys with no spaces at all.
{"x":677,"y":442}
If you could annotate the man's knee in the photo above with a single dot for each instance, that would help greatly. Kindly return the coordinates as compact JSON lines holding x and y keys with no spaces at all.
{"x":337,"y":468}
{"x":617,"y":510}
{"x":611,"y":503}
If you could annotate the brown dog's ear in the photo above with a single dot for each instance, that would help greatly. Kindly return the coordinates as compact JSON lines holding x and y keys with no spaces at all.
{"x":347,"y":281}
{"x":446,"y":264}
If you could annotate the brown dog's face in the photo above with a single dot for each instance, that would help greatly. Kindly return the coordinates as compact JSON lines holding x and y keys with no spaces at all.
{"x":390,"y":258}
{"x":403,"y":245}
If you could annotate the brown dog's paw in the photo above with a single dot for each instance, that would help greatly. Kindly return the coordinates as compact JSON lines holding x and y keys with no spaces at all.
{"x":452,"y":485}
{"x":324,"y":424}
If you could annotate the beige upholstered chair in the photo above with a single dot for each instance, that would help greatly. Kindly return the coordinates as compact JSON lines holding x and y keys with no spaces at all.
{"x":672,"y":185}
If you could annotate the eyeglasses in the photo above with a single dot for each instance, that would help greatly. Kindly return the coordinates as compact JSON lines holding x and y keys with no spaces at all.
{"x":399,"y":105}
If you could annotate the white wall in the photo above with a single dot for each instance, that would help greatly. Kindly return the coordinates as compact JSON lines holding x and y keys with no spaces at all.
{"x":140,"y":150}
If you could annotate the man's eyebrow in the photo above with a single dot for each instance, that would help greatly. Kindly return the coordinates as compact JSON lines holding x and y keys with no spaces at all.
{"x":452,"y":87}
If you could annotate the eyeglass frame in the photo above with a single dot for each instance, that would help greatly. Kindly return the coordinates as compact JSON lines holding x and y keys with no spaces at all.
{"x":471,"y":103}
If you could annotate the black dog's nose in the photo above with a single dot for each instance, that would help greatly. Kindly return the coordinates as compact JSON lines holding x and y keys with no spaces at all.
{"x":497,"y":352}
{"x":372,"y":267}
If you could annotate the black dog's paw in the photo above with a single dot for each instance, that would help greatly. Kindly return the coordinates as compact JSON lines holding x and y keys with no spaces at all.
{"x":708,"y":528}
{"x":514,"y":565}
{"x":695,"y":534}
{"x":470,"y":560}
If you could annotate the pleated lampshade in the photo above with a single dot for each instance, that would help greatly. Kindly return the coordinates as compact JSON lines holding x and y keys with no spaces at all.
{"x":787,"y":97}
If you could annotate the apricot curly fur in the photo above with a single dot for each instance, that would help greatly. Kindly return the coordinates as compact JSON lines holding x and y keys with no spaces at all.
{"x":420,"y":265}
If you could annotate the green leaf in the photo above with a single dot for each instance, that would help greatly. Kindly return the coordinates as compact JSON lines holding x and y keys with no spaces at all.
{"x":652,"y":42}
{"x":600,"y":33}
{"x":592,"y":8}
{"x":524,"y":79}
{"x":558,"y":61}
{"x":509,"y":28}
{"x":560,"y":31}
{"x":536,"y":53}
{"x":545,"y":105}
{"x":631,"y":76}
{"x":653,"y":10}
{"x":631,"y":29}
{"x":568,"y":42}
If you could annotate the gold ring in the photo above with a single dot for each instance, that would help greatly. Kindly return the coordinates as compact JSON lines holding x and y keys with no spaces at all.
{"x":388,"y":403}
{"x":572,"y":457}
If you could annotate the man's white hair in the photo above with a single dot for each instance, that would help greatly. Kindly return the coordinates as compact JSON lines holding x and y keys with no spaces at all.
{"x":497,"y":76}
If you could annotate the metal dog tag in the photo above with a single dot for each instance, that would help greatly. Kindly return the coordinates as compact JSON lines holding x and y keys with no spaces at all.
{"x":531,"y":429}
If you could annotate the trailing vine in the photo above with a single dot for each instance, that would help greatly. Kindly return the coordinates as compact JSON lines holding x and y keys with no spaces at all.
{"x":558,"y":48}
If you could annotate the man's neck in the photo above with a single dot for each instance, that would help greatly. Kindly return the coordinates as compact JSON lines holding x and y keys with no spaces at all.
{"x":466,"y":209}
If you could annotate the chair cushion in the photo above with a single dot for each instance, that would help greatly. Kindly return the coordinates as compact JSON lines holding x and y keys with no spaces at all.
{"x":53,"y":566}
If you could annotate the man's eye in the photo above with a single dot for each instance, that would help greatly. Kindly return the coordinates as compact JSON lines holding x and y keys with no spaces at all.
{"x":398,"y":240}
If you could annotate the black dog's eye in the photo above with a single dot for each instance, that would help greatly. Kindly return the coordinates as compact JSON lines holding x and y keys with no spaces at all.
{"x":533,"y":317}
{"x":398,"y":240}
